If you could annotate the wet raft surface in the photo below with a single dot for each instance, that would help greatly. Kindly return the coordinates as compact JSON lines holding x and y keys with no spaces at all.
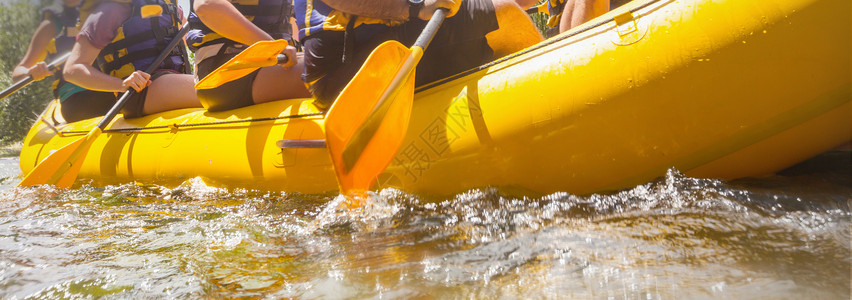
{"x":776,"y":237}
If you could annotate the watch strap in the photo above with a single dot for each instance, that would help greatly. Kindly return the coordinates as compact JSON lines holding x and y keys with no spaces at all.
{"x":414,"y":9}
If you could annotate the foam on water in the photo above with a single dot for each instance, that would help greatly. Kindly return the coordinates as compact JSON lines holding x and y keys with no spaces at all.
{"x":777,"y":237}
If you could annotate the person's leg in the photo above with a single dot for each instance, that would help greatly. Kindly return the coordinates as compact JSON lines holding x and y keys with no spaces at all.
{"x":526,"y":3}
{"x":170,"y":91}
{"x":516,"y":30}
{"x":87,"y":104}
{"x":577,"y":12}
{"x":277,"y":83}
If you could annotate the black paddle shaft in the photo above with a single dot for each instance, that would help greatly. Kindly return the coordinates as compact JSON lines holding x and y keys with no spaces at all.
{"x":53,"y":67}
{"x":282,"y":58}
{"x":124,"y":98}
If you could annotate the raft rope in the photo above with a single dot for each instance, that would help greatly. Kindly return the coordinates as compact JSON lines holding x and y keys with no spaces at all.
{"x":548,"y":42}
{"x":545,"y":43}
{"x":179,"y":126}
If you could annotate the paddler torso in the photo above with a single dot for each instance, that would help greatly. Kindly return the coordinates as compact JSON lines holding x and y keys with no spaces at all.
{"x":271,"y":16}
{"x":65,"y":21}
{"x":314,"y":16}
{"x":140,"y":40}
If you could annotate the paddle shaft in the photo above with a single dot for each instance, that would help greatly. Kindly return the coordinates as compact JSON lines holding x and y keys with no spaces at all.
{"x":282,"y":58}
{"x":279,"y":59}
{"x":178,"y":38}
{"x":53,"y":67}
{"x":352,"y":151}
{"x":258,"y":55}
{"x":64,"y":174}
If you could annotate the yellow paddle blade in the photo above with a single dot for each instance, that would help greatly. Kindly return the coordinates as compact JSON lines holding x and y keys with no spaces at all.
{"x":60,"y":168}
{"x":354,"y":105}
{"x":261,"y":54}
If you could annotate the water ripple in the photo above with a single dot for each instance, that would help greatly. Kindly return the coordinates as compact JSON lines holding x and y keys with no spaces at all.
{"x":675,"y":237}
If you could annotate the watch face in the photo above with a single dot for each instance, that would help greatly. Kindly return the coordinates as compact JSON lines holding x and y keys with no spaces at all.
{"x":415,"y":2}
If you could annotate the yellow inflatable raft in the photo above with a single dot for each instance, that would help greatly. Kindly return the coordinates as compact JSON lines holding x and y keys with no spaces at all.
{"x":715,"y":88}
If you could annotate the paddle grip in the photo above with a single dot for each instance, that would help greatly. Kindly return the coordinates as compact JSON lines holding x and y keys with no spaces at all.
{"x":431,"y":28}
{"x":53,"y":67}
{"x":282,"y":59}
{"x":178,"y":38}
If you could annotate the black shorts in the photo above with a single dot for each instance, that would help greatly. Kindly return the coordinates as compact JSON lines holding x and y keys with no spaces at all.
{"x":232,"y":94}
{"x":86,"y":105}
{"x":135,"y":105}
{"x":458,"y":45}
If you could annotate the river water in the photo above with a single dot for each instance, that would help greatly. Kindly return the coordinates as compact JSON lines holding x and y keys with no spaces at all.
{"x":785,"y":236}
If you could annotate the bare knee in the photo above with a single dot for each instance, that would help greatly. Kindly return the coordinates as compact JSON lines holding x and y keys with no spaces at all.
{"x":577,"y":12}
{"x":171,"y":91}
{"x":524,"y":4}
{"x":277,"y":83}
{"x":516,"y":30}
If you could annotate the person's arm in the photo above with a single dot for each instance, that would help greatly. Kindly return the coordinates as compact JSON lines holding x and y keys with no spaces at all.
{"x":577,"y":12}
{"x":222,"y":17}
{"x":525,"y":4}
{"x":392,"y":9}
{"x":79,"y":70}
{"x":32,"y":64}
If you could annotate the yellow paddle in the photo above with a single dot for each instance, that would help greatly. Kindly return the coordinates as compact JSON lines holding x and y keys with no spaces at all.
{"x":60,"y":168}
{"x":259,"y":55}
{"x":541,"y":8}
{"x":53,"y":67}
{"x":365,"y":126}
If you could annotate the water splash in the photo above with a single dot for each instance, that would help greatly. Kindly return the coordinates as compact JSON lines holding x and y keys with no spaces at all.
{"x":674,"y":237}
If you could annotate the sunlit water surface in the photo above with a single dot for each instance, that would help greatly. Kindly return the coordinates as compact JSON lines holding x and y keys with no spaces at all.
{"x":786,"y":236}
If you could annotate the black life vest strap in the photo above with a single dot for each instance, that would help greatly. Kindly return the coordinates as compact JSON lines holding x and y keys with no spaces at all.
{"x":159,"y":34}
{"x":131,"y":57}
{"x":349,"y":40}
{"x":140,"y":37}
{"x":278,"y":30}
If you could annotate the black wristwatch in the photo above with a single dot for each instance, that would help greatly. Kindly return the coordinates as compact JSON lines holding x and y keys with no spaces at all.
{"x":414,"y":7}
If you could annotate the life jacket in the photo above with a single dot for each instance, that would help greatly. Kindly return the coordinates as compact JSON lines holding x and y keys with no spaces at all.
{"x":140,"y":40}
{"x":65,"y":20}
{"x":554,"y":9}
{"x":271,"y":16}
{"x":314,"y":16}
